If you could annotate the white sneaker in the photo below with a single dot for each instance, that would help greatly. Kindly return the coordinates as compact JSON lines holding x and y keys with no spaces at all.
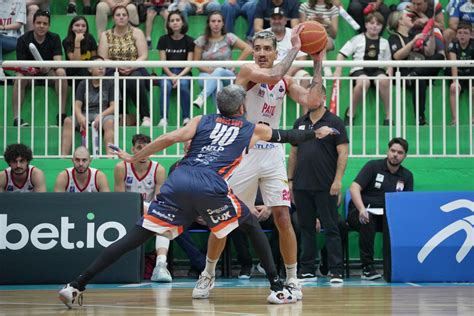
{"x":186,"y":121}
{"x":2,"y":75}
{"x":199,"y":102}
{"x":327,"y":71}
{"x":163,"y":122}
{"x":203,"y":285}
{"x":161,"y":273}
{"x":146,"y":122}
{"x":284,"y":296}
{"x":70,"y":295}
{"x":295,"y":288}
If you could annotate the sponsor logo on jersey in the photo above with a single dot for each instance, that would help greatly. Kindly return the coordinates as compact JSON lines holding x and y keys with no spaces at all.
{"x":129,"y":180}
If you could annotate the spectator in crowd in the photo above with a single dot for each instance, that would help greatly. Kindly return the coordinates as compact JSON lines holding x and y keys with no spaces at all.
{"x":154,"y":7}
{"x":265,"y":8}
{"x":283,"y":35}
{"x":216,"y":44}
{"x":368,"y":46}
{"x":324,"y":12}
{"x":107,"y":7}
{"x":81,"y":177}
{"x":195,"y":7}
{"x":20,"y":176}
{"x":127,"y":43}
{"x":368,"y":190}
{"x":96,"y":107}
{"x":12,"y":20}
{"x":176,"y":45}
{"x":145,"y":177}
{"x":425,"y":9}
{"x":86,"y":9}
{"x":49,"y":47}
{"x":231,"y":9}
{"x":402,"y":46}
{"x":461,"y":49}
{"x":356,"y":10}
{"x":31,"y":7}
{"x":463,"y":10}
{"x":79,"y":44}
{"x":316,"y":185}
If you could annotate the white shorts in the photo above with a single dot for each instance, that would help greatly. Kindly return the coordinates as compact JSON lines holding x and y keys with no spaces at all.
{"x":264,"y":168}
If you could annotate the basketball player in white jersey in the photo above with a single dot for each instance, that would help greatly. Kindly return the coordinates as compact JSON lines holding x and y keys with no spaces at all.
{"x":20,"y":176}
{"x":264,"y":165}
{"x":81,"y":178}
{"x":145,"y":177}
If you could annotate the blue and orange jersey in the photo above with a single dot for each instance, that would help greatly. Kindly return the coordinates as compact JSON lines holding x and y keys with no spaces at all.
{"x":219,"y":143}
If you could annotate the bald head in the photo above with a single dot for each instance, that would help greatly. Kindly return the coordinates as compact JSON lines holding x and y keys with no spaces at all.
{"x":81,"y":159}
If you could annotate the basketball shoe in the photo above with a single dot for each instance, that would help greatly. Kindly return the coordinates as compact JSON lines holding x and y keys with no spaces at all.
{"x":161,"y":273}
{"x":295,"y":288}
{"x":203,"y":285}
{"x":284,"y":296}
{"x":70,"y":295}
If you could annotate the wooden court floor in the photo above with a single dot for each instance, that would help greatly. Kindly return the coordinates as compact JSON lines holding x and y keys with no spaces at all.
{"x":346,"y":300}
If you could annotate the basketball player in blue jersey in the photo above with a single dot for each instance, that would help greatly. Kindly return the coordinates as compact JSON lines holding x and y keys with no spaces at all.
{"x":264,"y":165}
{"x":198,"y":187}
{"x":81,"y":177}
{"x":20,"y":176}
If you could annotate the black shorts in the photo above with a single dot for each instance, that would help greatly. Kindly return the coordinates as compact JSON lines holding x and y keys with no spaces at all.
{"x":370,"y":72}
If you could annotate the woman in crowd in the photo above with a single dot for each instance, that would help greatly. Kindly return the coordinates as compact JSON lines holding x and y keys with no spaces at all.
{"x":12,"y":20}
{"x":402,"y":45}
{"x":216,"y":44}
{"x":176,"y":45}
{"x":79,"y":44}
{"x":127,"y":43}
{"x":106,"y":7}
{"x":324,"y":12}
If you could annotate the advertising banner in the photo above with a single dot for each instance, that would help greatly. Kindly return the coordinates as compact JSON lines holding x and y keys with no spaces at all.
{"x":431,"y":236}
{"x":52,"y":237}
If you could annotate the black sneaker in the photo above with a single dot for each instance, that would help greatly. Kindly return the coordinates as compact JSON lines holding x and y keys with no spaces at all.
{"x":386,"y":122}
{"x":21,"y":123}
{"x":336,"y":278}
{"x":245,"y":272}
{"x":369,"y":273}
{"x":71,"y":9}
{"x":307,"y":277}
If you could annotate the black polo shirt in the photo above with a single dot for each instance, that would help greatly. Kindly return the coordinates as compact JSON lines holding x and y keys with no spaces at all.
{"x":316,"y":161}
{"x":375,"y":180}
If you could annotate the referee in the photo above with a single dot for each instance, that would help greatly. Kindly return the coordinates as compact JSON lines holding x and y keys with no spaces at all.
{"x":315,"y":171}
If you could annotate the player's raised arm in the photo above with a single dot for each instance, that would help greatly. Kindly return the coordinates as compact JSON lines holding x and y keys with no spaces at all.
{"x":264,"y":52}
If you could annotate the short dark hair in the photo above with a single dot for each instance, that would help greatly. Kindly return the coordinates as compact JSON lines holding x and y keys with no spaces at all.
{"x":377,"y":15}
{"x":400,"y":141}
{"x":140,"y":138}
{"x":184,"y":28}
{"x":464,"y":25}
{"x":13,"y":151}
{"x":42,"y":13}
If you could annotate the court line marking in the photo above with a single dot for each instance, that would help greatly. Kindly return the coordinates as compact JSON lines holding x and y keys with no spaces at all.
{"x":413,"y":284}
{"x":131,"y":307}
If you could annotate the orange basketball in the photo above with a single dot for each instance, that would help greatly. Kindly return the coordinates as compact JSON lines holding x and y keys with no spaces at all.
{"x":313,"y":37}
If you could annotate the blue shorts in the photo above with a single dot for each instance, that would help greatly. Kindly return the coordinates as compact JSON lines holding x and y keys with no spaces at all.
{"x":190,"y":192}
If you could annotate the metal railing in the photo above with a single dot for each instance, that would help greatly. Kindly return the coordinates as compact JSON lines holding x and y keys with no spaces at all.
{"x":368,"y":137}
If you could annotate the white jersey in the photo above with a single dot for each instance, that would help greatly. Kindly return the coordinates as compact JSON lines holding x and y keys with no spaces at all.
{"x":144,"y":185}
{"x":26,"y":186}
{"x":73,"y":186}
{"x":265,"y":105}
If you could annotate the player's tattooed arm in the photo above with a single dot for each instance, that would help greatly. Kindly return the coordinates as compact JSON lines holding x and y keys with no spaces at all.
{"x":317,"y":82}
{"x":282,"y":67}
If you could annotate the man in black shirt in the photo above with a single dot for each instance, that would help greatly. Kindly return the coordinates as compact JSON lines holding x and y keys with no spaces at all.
{"x":265,"y":9}
{"x":368,"y":193}
{"x":315,"y":171}
{"x":49,"y":47}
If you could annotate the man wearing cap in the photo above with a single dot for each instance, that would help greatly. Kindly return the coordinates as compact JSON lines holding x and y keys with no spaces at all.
{"x":265,"y":9}
{"x":278,"y":21}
